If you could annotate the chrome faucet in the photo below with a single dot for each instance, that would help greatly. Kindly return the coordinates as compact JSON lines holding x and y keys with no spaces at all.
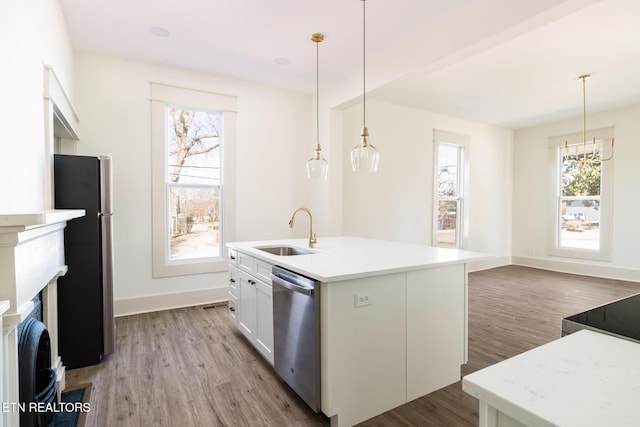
{"x":312,"y":235}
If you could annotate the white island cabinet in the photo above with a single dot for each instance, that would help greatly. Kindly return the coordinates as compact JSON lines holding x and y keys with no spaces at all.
{"x":393,"y":319}
{"x":250,"y":300}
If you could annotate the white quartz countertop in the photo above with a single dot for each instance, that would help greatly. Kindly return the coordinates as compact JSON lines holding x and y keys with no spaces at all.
{"x":342,"y":258}
{"x":584,"y":379}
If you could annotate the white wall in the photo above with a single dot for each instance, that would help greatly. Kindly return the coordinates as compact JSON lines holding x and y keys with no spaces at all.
{"x":274,"y":140}
{"x":32,"y":33}
{"x":532,"y":210}
{"x":396,"y":203}
{"x":276,"y":133}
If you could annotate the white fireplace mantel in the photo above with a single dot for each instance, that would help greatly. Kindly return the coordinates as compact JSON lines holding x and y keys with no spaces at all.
{"x":38,"y":219}
{"x":31,"y":260}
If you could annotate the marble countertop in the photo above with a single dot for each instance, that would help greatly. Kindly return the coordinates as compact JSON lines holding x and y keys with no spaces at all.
{"x":342,"y":258}
{"x":584,"y":379}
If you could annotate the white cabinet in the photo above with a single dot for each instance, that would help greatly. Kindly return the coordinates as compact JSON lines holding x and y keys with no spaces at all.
{"x":363,"y":349}
{"x":247,"y":303}
{"x":234,"y":293}
{"x":264,"y":320}
{"x":234,"y":283}
{"x":408,"y":340}
{"x":436,"y":301}
{"x":250,"y":292}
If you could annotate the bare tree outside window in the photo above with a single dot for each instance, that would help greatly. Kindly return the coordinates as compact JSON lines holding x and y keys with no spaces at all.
{"x":193,"y":183}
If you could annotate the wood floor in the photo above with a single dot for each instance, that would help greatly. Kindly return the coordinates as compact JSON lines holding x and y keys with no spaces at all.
{"x":189,"y":367}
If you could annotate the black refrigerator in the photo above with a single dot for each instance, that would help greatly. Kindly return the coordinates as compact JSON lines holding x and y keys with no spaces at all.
{"x":86,"y":324}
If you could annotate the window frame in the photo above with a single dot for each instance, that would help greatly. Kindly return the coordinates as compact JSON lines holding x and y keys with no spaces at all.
{"x":162,"y":97}
{"x":460,"y":141}
{"x":556,"y":145}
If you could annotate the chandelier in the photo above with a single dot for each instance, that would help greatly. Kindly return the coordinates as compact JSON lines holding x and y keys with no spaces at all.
{"x":579,"y":155}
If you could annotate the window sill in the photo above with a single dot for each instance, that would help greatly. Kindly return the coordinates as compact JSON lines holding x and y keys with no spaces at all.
{"x":189,"y":267}
{"x":585,"y":254}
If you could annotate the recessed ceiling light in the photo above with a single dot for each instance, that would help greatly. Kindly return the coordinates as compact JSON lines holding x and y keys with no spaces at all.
{"x":281,"y":61}
{"x":159,"y":31}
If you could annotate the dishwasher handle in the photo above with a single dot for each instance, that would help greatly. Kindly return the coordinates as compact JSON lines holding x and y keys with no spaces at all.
{"x":307,"y":290}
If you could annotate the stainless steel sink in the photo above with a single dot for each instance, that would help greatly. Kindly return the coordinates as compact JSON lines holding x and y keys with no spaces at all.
{"x":284,"y":250}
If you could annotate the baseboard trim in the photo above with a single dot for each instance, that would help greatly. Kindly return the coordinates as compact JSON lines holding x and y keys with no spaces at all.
{"x":488,"y":264}
{"x":146,"y":304}
{"x":572,"y":267}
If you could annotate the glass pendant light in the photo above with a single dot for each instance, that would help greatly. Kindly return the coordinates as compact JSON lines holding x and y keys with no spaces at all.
{"x":364,"y":156}
{"x":317,"y":166}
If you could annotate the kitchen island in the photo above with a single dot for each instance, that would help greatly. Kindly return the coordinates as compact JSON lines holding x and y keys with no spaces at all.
{"x":393,"y":317}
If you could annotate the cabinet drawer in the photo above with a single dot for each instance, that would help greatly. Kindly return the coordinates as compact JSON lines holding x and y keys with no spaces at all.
{"x":258,"y":269}
{"x":233,"y":308}
{"x":245,"y":262}
{"x":233,"y":280}
{"x":262,"y":271}
{"x":233,"y":257}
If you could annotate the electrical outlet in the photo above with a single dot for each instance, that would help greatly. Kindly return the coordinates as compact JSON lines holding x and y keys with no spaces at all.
{"x":532,"y":250}
{"x":361,"y":300}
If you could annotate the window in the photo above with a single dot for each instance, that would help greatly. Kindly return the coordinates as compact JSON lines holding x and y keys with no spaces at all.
{"x":582,"y":210}
{"x":449,"y":189}
{"x":192,"y":139}
{"x":193,"y":183}
{"x":579,"y":206}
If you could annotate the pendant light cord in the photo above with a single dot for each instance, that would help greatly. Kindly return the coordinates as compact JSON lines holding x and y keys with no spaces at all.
{"x":364,"y":64}
{"x":317,"y":93}
{"x":584,"y":111}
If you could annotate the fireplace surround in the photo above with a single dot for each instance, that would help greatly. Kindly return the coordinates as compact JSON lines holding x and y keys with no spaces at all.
{"x":31,"y":260}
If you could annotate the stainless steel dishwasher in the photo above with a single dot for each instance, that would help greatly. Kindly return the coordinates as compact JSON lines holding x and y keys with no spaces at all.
{"x":296,"y":333}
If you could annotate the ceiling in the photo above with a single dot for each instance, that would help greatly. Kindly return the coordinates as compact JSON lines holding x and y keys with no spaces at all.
{"x":512,"y":63}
